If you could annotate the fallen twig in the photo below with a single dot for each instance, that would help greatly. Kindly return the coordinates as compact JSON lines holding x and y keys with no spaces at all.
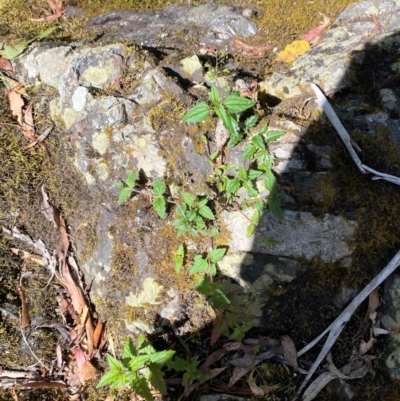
{"x":348,"y":142}
{"x":337,"y":326}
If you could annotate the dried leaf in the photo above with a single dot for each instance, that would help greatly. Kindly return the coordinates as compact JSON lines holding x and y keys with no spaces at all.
{"x":292,"y":51}
{"x":44,"y":205}
{"x":38,"y":259}
{"x":257,"y":391}
{"x":289,"y":351}
{"x":13,"y":85}
{"x":24,"y":307}
{"x":87,"y":372}
{"x":97,"y":333}
{"x":269,"y":389}
{"x":59,"y":356}
{"x":365,"y":347}
{"x":5,"y":65}
{"x":315,"y":33}
{"x":57,"y":8}
{"x":237,"y":374}
{"x":16,"y":104}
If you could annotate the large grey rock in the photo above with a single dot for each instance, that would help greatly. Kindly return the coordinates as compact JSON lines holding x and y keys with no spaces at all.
{"x":298,"y":234}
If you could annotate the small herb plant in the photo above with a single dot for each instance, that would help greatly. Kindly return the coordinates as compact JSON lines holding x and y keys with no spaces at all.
{"x":228,"y":111}
{"x":192,"y":215}
{"x":190,"y":367}
{"x":138,"y":368}
{"x":157,"y":192}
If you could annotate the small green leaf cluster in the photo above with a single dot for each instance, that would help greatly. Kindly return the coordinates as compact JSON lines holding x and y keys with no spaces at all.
{"x":190,"y":367}
{"x":139,"y":368}
{"x":157,"y":193}
{"x":193,"y":215}
{"x":227,"y":110}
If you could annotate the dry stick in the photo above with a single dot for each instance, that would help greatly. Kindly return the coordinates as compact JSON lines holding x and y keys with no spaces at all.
{"x":333,"y":118}
{"x":337,"y":326}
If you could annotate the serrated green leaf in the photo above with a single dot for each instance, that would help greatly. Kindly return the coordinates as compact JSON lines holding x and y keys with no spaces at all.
{"x":177,"y":364}
{"x":189,"y":198}
{"x":204,"y":286}
{"x":229,"y":120}
{"x":213,"y":269}
{"x":162,"y":357}
{"x":259,"y":205}
{"x":270,"y":181}
{"x":217,"y":254}
{"x":218,"y":297}
{"x":254,"y":174}
{"x":251,"y":121}
{"x":181,"y":210}
{"x":119,"y":185}
{"x":136,"y":363}
{"x":235,"y":139}
{"x":258,"y":141}
{"x":248,"y":151}
{"x":250,"y":230}
{"x":114,"y":378}
{"x":141,"y":387}
{"x":213,"y":232}
{"x":242,"y":174}
{"x":232,"y":186}
{"x":131,"y":179}
{"x":160,"y":207}
{"x":200,"y":265}
{"x":197,"y":113}
{"x":214,"y":96}
{"x":179,"y":255}
{"x":274,"y":204}
{"x":214,"y":155}
{"x":240,"y":331}
{"x":255,"y":217}
{"x":156,"y":377}
{"x":250,"y":190}
{"x":114,"y":364}
{"x":129,"y":350}
{"x":202,"y":202}
{"x":206,"y":212}
{"x":124,"y":195}
{"x":191,"y":215}
{"x":274,"y":135}
{"x":200,"y":224}
{"x":158,"y":187}
{"x":237,"y":104}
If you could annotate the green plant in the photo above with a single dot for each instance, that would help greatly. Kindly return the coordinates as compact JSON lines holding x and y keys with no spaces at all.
{"x":190,"y":367}
{"x":192,"y":216}
{"x":139,"y":368}
{"x":228,"y":111}
{"x":157,"y":192}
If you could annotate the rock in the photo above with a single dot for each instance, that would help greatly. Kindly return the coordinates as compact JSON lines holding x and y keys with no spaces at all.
{"x":211,"y":24}
{"x":298,"y":234}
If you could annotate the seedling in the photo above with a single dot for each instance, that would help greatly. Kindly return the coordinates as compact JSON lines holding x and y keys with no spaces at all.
{"x":139,"y":368}
{"x":228,"y":111}
{"x":157,"y":192}
{"x":193,"y":215}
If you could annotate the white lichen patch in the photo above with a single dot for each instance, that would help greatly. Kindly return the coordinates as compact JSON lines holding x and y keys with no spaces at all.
{"x":102,"y":171}
{"x":100,"y":142}
{"x":149,"y":295}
